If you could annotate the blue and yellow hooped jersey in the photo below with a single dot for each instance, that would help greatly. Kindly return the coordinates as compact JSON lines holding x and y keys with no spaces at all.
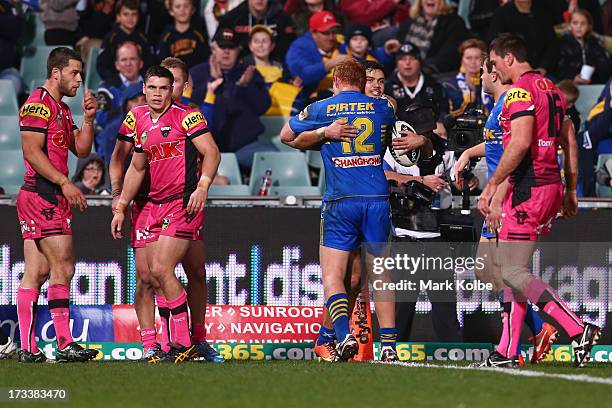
{"x":493,"y":137}
{"x":352,"y":169}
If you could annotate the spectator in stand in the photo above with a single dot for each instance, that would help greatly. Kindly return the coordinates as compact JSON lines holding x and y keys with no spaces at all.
{"x":534,"y":22}
{"x":437,"y":32}
{"x":128,"y":64}
{"x":11,"y":27}
{"x":571,"y":94}
{"x":377,"y":14}
{"x":126,"y":12}
{"x":606,"y":16}
{"x":90,"y":175}
{"x":282,"y":88}
{"x":464,"y":90}
{"x":314,"y":55}
{"x":238,"y":101}
{"x":214,"y":10}
{"x":578,"y":48}
{"x":598,"y":128}
{"x":182,"y":40}
{"x":61,"y":21}
{"x":481,"y":14}
{"x":564,"y":9}
{"x":301,"y":10}
{"x":266,"y":12}
{"x":408,"y":85}
{"x":357,"y":45}
{"x":94,"y":23}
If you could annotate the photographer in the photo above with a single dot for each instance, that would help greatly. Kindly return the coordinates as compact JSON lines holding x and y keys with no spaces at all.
{"x":419,"y":222}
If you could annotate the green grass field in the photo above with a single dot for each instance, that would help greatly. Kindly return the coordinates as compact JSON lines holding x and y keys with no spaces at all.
{"x":308,"y":384}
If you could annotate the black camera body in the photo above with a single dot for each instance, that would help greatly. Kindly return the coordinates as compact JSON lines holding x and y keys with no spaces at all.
{"x":411,"y":206}
{"x":465,"y":131}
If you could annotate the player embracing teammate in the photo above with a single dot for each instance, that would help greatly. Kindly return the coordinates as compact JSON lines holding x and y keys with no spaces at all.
{"x":43,"y":204}
{"x":182,"y":159}
{"x":534,"y":124}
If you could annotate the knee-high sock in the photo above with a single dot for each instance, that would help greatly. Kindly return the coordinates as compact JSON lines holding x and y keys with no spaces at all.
{"x":147,"y":337}
{"x":198,"y":333}
{"x":338,"y":311}
{"x":326,"y":335}
{"x":513,"y":317}
{"x":178,"y":315}
{"x":164,"y":314}
{"x":27,"y":304}
{"x":549,"y":301}
{"x":59,"y":307}
{"x":388,"y":337}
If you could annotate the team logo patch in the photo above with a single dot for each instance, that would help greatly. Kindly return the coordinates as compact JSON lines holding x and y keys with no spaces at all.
{"x":517,"y":95}
{"x":165,"y":131}
{"x":48,"y":213}
{"x":36,"y":109}
{"x":143,"y":137}
{"x":59,"y":119}
{"x":130,"y":121}
{"x":303,"y":114}
{"x":521,"y":217}
{"x":165,"y":224}
{"x":193,"y":119}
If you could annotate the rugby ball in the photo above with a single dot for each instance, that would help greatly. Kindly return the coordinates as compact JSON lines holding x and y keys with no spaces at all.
{"x":405,"y":158}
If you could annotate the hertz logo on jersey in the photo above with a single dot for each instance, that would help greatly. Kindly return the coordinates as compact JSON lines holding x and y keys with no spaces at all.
{"x":517,"y":95}
{"x":193,"y":119}
{"x":36,"y":109}
{"x":130,"y":121}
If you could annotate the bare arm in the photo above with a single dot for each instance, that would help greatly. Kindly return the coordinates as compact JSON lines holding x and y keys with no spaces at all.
{"x":83,"y":138}
{"x":32,"y":145}
{"x":208,"y":148}
{"x":522,"y":134}
{"x":133,"y":179}
{"x":401,"y":178}
{"x":570,"y":164}
{"x":115,"y":167}
{"x":339,"y":130}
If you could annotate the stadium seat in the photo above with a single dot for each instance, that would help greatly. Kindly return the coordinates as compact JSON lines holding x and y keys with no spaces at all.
{"x":72,"y":165}
{"x":10,"y":137}
{"x":229,"y":190}
{"x":321,"y":183}
{"x":288,"y":169}
{"x":12,"y":168}
{"x":92,"y":78}
{"x":588,"y":97}
{"x":295,"y":190}
{"x":314,"y":159}
{"x":273,"y":125}
{"x":8,"y":99}
{"x":603,"y":191}
{"x":229,"y":168}
{"x":34,"y":63}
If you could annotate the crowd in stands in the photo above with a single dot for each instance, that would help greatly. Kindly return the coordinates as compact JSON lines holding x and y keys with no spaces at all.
{"x":249,"y":58}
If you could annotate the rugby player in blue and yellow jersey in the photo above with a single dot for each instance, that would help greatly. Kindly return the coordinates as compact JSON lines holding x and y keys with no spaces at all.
{"x":355,"y":207}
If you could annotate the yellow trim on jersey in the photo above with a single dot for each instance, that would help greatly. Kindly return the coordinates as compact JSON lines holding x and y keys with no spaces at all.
{"x":130,"y":121}
{"x":39,"y":110}
{"x":517,"y":95}
{"x":193,"y":119}
{"x":597,"y":109}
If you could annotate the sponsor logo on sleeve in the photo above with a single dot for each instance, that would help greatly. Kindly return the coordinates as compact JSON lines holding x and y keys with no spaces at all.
{"x":517,"y":95}
{"x":193,"y":119}
{"x":130,"y":121}
{"x":36,"y":109}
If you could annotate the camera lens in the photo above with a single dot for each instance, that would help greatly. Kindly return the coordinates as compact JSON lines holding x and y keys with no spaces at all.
{"x":462,"y":139}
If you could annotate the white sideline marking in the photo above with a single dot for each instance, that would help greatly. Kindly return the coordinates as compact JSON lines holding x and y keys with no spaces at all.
{"x":509,"y":371}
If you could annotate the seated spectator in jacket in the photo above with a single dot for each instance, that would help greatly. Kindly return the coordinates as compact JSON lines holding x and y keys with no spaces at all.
{"x":181,"y":39}
{"x":357,"y":45}
{"x":437,"y":32}
{"x":571,"y":93}
{"x":534,"y":22}
{"x":105,"y":139}
{"x":282,"y":88}
{"x":464,"y":90}
{"x":409,"y":85}
{"x":214,"y":10}
{"x":379,"y":15}
{"x":90,"y":175}
{"x":598,"y":128}
{"x":94,"y":23}
{"x":61,"y":21}
{"x":128,"y":64}
{"x":126,"y":12}
{"x":606,"y":16}
{"x":301,"y":10}
{"x":266,"y":12}
{"x":579,"y":48}
{"x":11,"y":27}
{"x":238,"y":101}
{"x":563,"y":9}
{"x":314,"y":55}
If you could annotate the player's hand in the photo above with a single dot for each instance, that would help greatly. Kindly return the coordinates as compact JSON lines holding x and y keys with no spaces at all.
{"x":215,"y":69}
{"x":213,"y":85}
{"x":117,"y":225}
{"x":340,"y":130}
{"x":495,"y":217}
{"x":115,"y":202}
{"x":484,"y":202}
{"x":461,"y":164}
{"x":90,"y":105}
{"x":578,"y":80}
{"x":570,"y":204}
{"x":197,"y":201}
{"x":247,"y":76}
{"x":74,"y":196}
{"x":435,"y":181}
{"x":409,"y":141}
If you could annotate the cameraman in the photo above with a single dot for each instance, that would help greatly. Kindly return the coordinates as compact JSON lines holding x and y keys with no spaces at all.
{"x":420,"y":224}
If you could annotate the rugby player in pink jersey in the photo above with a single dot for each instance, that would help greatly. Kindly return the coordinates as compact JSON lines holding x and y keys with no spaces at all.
{"x":43,"y":205}
{"x":172,"y":140}
{"x":193,"y":262}
{"x":534,"y":124}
